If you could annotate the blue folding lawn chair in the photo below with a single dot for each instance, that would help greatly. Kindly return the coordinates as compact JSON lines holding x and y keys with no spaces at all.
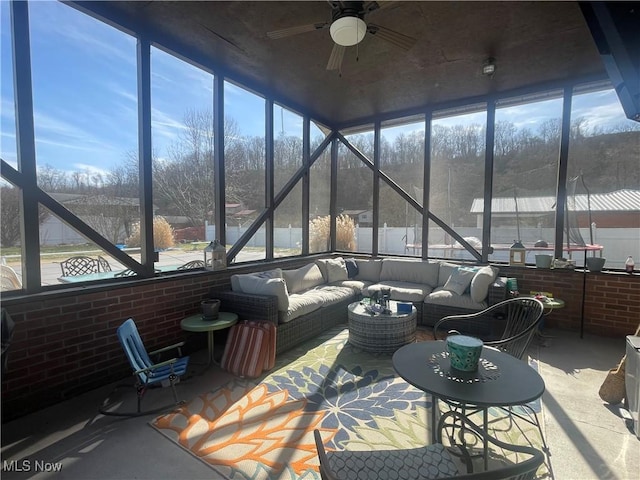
{"x":147,"y":373}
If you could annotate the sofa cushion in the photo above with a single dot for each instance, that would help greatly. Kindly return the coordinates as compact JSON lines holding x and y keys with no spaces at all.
{"x":333,"y":269}
{"x":460,"y":280}
{"x":481,"y":282}
{"x":336,"y":270}
{"x":440,"y":296}
{"x":403,"y":291}
{"x":330,"y":294}
{"x":446,"y":269}
{"x":322,"y":265}
{"x":235,"y":285}
{"x":266,"y":286}
{"x":412,"y":271}
{"x":300,"y":304}
{"x":303,"y":278}
{"x":358,"y":286}
{"x":368,"y":270}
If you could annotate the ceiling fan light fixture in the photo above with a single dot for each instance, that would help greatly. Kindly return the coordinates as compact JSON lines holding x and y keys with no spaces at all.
{"x":348,"y":30}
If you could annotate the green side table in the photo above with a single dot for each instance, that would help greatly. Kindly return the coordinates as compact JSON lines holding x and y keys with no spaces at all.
{"x":195,"y":323}
{"x":550,"y":304}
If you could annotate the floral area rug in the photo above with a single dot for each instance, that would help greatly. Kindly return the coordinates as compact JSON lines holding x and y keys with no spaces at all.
{"x":263,"y":429}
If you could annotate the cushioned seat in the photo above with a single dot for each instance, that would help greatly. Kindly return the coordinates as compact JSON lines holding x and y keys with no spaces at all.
{"x":299,"y":305}
{"x":440,"y":296}
{"x":358,"y":286}
{"x":431,"y":461}
{"x":332,"y":294}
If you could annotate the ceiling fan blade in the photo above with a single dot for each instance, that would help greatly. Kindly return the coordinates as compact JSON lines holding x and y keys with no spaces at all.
{"x":395,"y":38}
{"x":380,"y":5}
{"x":286,"y":32}
{"x":335,"y":60}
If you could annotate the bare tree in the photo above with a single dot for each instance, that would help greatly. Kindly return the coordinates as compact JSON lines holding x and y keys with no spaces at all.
{"x":51,"y":179}
{"x":10,"y":215}
{"x":185,"y":180}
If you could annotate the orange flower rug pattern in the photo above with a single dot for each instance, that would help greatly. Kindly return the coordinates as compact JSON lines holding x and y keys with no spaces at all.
{"x":263,"y":429}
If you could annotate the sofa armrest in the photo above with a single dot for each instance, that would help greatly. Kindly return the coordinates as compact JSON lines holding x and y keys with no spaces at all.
{"x":248,"y":306}
{"x":497,"y":291}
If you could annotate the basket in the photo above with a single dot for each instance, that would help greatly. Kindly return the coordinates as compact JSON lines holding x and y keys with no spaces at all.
{"x":613,"y":388}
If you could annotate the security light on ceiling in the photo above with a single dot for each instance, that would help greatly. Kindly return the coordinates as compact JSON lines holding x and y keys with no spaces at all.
{"x":489,"y":67}
{"x":348,"y":30}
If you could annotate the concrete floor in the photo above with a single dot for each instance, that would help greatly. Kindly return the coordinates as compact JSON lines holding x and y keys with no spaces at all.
{"x":587,"y":438}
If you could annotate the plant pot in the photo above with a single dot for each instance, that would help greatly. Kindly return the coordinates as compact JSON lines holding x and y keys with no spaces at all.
{"x":543,"y":261}
{"x":595,"y":264}
{"x":210,"y":309}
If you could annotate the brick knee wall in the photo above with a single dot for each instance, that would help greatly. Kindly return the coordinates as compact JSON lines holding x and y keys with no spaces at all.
{"x":611,"y":300}
{"x":64,"y":341}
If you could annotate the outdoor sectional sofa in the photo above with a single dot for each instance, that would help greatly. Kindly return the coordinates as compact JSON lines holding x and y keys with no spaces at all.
{"x":306,"y":301}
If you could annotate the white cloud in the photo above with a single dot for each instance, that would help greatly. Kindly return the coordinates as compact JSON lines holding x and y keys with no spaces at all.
{"x":57,"y":22}
{"x":90,"y":169}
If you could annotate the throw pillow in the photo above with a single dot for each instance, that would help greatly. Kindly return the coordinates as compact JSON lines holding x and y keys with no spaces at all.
{"x":336,"y":270}
{"x":481,"y":282}
{"x":352,"y":267}
{"x":266,"y":286}
{"x":303,"y":278}
{"x":459,"y":280}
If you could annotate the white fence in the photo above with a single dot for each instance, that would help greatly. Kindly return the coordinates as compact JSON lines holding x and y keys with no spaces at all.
{"x":618,"y":243}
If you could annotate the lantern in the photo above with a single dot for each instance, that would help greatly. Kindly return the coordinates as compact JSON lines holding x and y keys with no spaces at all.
{"x":215,"y":256}
{"x":517,"y":253}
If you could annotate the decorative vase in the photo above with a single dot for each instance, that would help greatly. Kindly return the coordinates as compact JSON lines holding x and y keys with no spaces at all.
{"x":464,"y":352}
{"x":210,"y":309}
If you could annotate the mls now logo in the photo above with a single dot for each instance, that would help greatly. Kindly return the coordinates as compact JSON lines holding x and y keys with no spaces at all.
{"x":27,"y":465}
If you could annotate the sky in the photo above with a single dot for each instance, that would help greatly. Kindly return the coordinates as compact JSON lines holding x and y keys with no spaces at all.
{"x":85,"y":95}
{"x":85,"y":92}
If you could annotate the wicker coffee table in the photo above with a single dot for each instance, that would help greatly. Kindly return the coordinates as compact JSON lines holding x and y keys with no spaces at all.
{"x":383,"y":332}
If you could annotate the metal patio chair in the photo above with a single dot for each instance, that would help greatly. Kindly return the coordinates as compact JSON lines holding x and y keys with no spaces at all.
{"x":127,"y":272}
{"x":192,"y":264}
{"x":103,"y":264}
{"x":519,"y":319}
{"x":431,"y":461}
{"x":79,"y":265}
{"x":147,"y":373}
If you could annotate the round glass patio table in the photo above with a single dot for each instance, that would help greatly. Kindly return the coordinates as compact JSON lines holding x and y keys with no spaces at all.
{"x":195,"y":323}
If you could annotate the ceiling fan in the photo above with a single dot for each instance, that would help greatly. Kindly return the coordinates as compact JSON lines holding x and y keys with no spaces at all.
{"x":348,"y":27}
